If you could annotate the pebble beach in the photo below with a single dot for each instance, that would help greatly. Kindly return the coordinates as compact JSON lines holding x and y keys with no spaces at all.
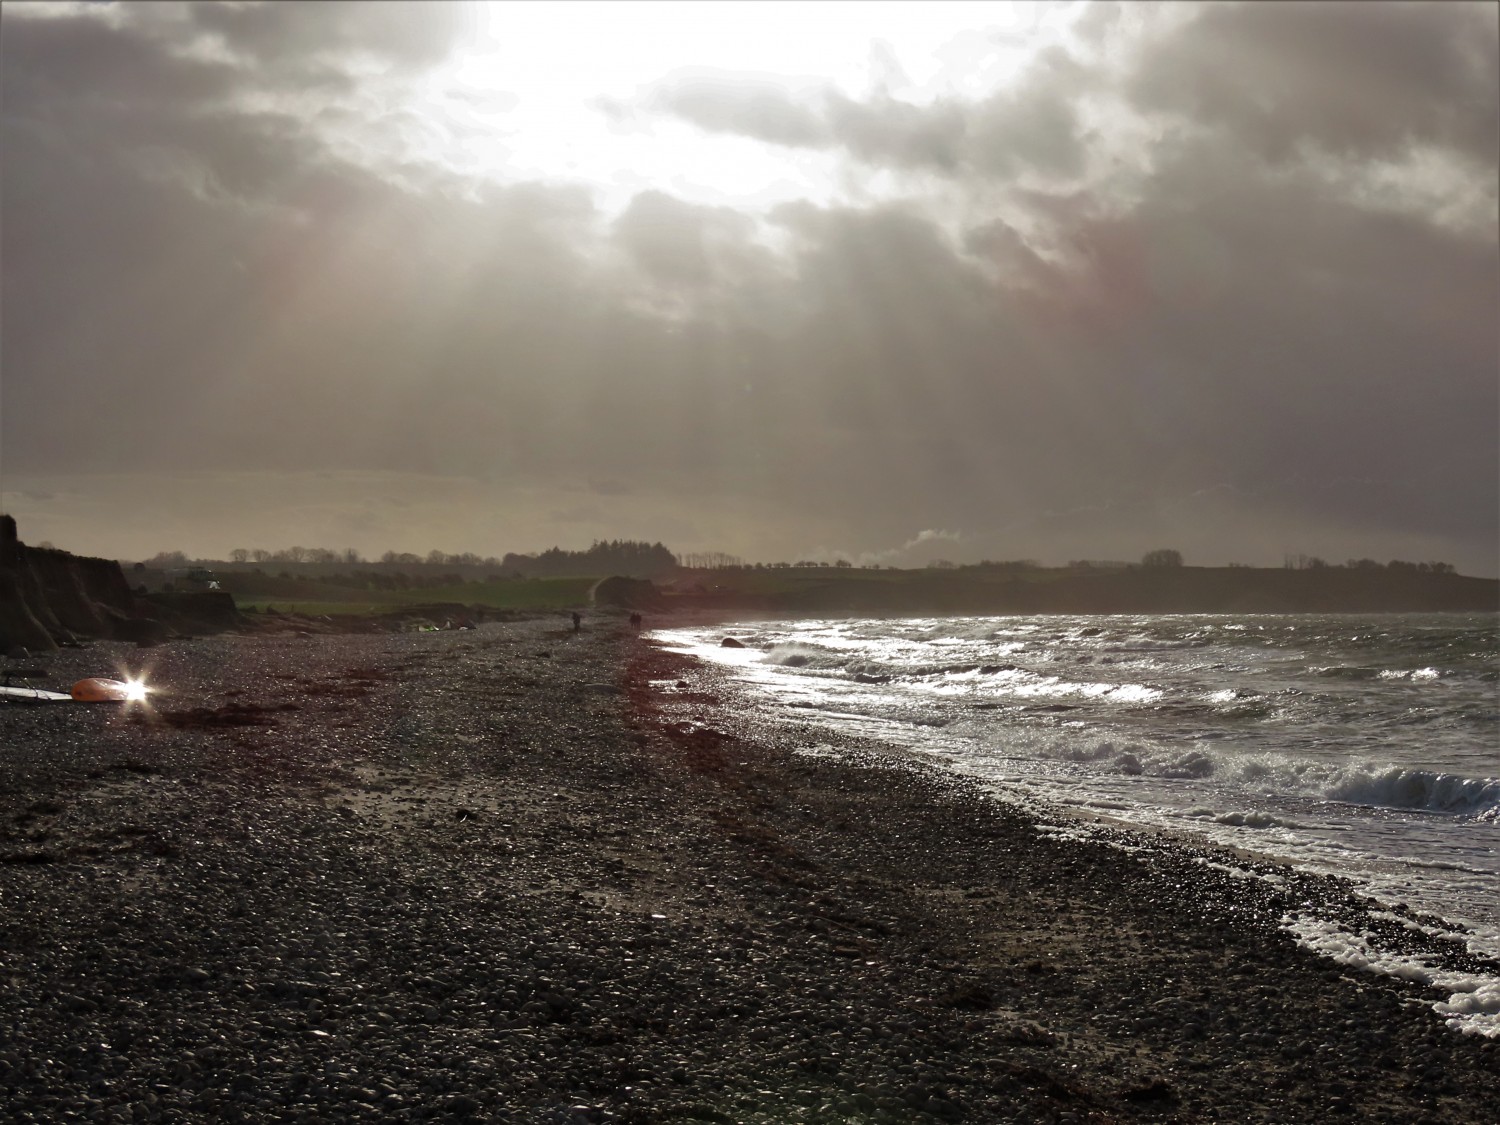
{"x":526,"y":874}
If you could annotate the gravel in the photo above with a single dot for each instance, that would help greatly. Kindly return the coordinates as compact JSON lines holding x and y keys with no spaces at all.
{"x":522,"y":874}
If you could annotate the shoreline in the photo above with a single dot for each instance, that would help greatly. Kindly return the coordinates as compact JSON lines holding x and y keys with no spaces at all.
{"x":997,"y":736}
{"x":1090,"y":826}
{"x":524,"y":875}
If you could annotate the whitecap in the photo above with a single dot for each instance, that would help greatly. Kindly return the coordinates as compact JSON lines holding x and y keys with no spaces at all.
{"x":1253,"y":819}
{"x":1428,"y":790}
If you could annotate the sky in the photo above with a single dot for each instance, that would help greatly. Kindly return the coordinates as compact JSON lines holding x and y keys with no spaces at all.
{"x":885,"y":282}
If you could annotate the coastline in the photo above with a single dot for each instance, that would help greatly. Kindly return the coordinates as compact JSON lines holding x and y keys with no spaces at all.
{"x":521,"y":874}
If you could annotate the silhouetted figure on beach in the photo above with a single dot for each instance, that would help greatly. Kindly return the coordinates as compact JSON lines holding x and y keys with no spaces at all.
{"x":577,"y":622}
{"x":635,"y":620}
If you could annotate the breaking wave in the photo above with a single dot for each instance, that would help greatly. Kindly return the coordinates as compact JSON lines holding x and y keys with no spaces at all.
{"x":1423,"y":790}
{"x":1392,"y":787}
{"x":801,"y":654}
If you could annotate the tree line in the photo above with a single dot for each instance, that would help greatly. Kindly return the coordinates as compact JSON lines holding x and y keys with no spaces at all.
{"x":616,"y":556}
{"x":640,"y":559}
{"x":1312,"y":562}
{"x":625,"y":557}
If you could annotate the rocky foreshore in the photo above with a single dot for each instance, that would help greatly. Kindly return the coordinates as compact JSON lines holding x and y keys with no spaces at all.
{"x":530,"y":875}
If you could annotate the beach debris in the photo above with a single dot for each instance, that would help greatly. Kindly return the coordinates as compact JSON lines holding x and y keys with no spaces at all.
{"x":27,"y":694}
{"x":99,"y":689}
{"x":731,"y":642}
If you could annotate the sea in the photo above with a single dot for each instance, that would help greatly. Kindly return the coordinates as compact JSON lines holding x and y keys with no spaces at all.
{"x":1363,"y":747}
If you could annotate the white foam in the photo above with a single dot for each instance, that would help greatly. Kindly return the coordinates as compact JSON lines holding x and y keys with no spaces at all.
{"x":1359,"y":783}
{"x":1413,"y":674}
{"x":1386,"y":781}
{"x":1473,"y":1003}
{"x":800,"y":654}
{"x":1253,"y":820}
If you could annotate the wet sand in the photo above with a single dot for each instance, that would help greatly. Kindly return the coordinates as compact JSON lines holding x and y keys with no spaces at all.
{"x":527,"y":875}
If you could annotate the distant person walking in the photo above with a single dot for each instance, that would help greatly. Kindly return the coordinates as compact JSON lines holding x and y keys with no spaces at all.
{"x":577,"y":622}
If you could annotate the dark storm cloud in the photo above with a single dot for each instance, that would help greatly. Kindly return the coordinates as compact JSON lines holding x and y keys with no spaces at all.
{"x":886,"y":130}
{"x":676,"y":243}
{"x":249,"y":287}
{"x":1033,"y":125}
{"x":1219,"y":337}
{"x":1357,"y":80}
{"x":325,"y":40}
{"x":1354,"y":80}
{"x":1266,"y":335}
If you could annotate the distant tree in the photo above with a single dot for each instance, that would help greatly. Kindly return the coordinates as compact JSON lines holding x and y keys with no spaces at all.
{"x":260,"y":555}
{"x":1162,"y":557}
{"x":239,"y":555}
{"x":695,"y":560}
{"x":164,"y":559}
{"x":622,"y":557}
{"x":352,"y":556}
{"x":1306,"y":562}
{"x":842,"y":563}
{"x":1363,"y":564}
{"x":941,"y":564}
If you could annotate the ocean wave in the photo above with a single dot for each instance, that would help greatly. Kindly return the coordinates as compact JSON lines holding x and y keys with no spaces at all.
{"x":1361,"y":784}
{"x":1132,"y":760}
{"x":1253,"y":819}
{"x":1425,"y":790}
{"x":1412,"y":674}
{"x":1345,"y":671}
{"x":801,"y":654}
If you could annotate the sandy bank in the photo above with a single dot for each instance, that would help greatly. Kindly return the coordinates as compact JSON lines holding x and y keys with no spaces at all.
{"x":524,"y":875}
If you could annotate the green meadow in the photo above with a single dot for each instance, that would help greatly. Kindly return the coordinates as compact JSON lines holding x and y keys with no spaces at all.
{"x":317,"y":599}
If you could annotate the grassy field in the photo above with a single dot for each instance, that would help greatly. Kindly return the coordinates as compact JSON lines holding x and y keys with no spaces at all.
{"x":998,"y":590}
{"x":782,"y":581}
{"x":525,"y":594}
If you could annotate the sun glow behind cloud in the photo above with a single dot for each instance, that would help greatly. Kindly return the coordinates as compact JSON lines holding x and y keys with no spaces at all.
{"x":510,"y":106}
{"x":1005,"y":269}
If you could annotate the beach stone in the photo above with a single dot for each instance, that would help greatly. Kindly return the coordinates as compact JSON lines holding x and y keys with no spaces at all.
{"x":416,"y":945}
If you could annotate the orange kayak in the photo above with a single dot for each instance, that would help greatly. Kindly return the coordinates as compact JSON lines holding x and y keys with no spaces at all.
{"x":99,"y":690}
